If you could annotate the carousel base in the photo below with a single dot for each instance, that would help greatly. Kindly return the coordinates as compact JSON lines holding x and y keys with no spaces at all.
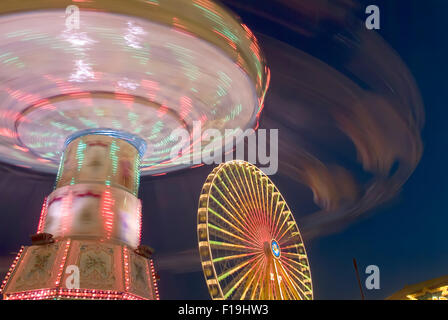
{"x":104,"y":271}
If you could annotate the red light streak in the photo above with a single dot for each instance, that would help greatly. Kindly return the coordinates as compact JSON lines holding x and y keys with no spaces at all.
{"x":107,"y":212}
{"x":21,"y":148}
{"x":43,"y":215}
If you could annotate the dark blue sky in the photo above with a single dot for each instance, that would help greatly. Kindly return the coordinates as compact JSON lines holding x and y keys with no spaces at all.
{"x":407,"y":238}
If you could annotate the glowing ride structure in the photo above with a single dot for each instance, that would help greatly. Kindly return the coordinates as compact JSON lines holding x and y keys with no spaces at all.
{"x":249,"y":242}
{"x":97,"y":104}
{"x":92,"y":220}
{"x":145,"y":67}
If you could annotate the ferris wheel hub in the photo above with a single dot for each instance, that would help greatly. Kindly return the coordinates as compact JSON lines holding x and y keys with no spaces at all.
{"x":275,"y":249}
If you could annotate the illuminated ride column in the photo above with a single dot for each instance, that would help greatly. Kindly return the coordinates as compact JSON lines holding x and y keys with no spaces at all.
{"x":87,"y":244}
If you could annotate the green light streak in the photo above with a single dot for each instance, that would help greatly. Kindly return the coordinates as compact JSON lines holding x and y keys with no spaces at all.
{"x":80,"y":153}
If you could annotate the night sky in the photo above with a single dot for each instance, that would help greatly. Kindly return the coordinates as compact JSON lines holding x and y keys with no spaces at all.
{"x":404,"y":237}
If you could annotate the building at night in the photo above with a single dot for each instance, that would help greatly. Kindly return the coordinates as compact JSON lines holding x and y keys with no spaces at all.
{"x":434,"y":289}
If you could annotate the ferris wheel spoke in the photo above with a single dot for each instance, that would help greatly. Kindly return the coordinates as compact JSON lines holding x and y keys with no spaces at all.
{"x":293,"y":272}
{"x":273,"y":211}
{"x":296,"y":245}
{"x":262,"y":213}
{"x":273,"y":219}
{"x":291,"y":279}
{"x":244,"y":233}
{"x":265,"y":202}
{"x":240,"y":187}
{"x":289,"y":262}
{"x":271,"y":205}
{"x":246,"y":186}
{"x":238,"y":201}
{"x":298,"y":255}
{"x":250,"y":186}
{"x":216,"y":214}
{"x":284,"y":215}
{"x":257,"y":283}
{"x":248,"y":231}
{"x":228,"y":233}
{"x":232,"y":257}
{"x":277,"y":279}
{"x":272,"y":195}
{"x":264,"y":293}
{"x":248,"y":213}
{"x":291,"y":224}
{"x":221,"y":244}
{"x":244,"y":183}
{"x":293,"y":243}
{"x":234,"y":193}
{"x":235,"y":284}
{"x":257,"y":265}
{"x":301,"y":285}
{"x":282,"y":205}
{"x":255,"y":192}
{"x":304,"y":290}
{"x":268,"y":191}
{"x":291,"y":286}
{"x":234,"y":269}
{"x":261,"y":293}
{"x":268,"y":202}
{"x":262,"y":195}
{"x":291,"y":294}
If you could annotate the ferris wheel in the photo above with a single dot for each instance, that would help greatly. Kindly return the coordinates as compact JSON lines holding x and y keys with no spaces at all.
{"x":249,"y":242}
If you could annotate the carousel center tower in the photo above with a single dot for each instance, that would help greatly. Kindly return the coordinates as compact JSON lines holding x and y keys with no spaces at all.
{"x":87,"y":245}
